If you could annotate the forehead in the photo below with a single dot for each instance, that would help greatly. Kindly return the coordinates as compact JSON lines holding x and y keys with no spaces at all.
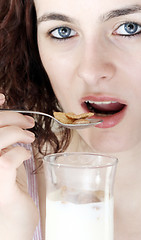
{"x":82,"y":5}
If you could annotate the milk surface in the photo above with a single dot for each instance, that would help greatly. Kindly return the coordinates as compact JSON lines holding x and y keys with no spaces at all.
{"x":72,"y":221}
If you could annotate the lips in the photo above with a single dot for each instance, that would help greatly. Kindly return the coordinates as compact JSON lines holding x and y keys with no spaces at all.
{"x":110,"y":110}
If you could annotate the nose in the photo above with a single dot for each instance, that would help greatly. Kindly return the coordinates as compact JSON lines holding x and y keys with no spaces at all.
{"x":95,"y":62}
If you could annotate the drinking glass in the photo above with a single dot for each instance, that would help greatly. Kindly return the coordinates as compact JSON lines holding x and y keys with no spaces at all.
{"x":79,"y":196}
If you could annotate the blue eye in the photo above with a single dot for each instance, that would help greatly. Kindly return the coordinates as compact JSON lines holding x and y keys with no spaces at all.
{"x":128,"y":29}
{"x":131,"y":28}
{"x":62,"y":33}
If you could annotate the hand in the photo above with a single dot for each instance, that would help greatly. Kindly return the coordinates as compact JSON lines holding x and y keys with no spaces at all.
{"x":18,"y":214}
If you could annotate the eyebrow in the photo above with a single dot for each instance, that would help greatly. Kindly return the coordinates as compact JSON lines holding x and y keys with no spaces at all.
{"x":112,"y":14}
{"x":54,"y":16}
{"x":121,"y":12}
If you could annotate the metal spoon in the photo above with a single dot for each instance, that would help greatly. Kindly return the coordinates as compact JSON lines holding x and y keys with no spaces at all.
{"x":92,"y":122}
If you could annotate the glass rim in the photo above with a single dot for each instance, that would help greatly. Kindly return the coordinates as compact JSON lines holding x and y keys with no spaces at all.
{"x":113,"y":162}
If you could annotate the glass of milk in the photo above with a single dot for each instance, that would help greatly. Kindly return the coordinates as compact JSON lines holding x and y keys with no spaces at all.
{"x":79,"y":196}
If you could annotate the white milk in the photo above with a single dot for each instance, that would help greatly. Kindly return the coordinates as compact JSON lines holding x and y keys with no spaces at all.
{"x":71,"y":221}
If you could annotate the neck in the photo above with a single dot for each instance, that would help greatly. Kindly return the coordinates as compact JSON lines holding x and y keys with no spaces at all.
{"x":130,"y":159}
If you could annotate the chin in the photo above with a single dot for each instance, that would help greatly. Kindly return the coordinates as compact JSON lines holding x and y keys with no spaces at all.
{"x":107,"y":144}
{"x":111,"y":147}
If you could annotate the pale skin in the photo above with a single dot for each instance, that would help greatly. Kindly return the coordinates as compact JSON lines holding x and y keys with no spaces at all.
{"x":96,"y":61}
{"x":100,"y":59}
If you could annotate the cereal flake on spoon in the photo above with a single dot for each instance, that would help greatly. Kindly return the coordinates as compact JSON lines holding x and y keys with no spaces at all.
{"x":72,"y":118}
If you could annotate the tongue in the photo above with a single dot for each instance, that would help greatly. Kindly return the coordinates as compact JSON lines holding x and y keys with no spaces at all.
{"x":107,"y":108}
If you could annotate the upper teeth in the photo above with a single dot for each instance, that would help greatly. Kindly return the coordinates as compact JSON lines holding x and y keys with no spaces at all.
{"x":99,"y":102}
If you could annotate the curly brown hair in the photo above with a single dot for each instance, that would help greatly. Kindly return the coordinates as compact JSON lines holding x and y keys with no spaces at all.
{"x":23,"y":79}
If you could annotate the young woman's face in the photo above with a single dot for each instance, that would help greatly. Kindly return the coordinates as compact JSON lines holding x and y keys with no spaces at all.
{"x":91,"y":50}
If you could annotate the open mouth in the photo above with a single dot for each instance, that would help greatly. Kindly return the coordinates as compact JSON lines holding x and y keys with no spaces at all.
{"x":104,"y":108}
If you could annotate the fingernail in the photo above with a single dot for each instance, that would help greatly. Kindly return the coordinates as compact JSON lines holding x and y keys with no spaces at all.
{"x":30,"y":119}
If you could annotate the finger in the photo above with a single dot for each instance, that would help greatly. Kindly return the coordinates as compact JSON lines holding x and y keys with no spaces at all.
{"x":2,"y":98}
{"x":12,"y":134}
{"x":12,"y":158}
{"x":16,"y":119}
{"x":9,"y":162}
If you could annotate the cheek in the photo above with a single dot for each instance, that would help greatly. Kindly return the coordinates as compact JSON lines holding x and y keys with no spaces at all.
{"x":60,"y":69}
{"x":59,"y":74}
{"x":128,"y":74}
{"x":60,"y":59}
{"x":57,"y":67}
